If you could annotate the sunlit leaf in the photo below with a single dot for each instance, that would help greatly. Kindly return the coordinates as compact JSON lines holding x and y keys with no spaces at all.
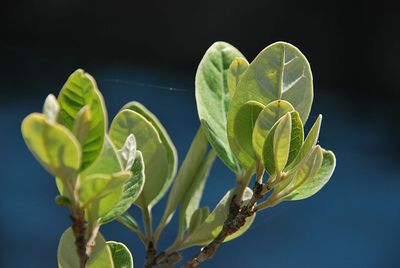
{"x":148,"y":141}
{"x":265,"y":121}
{"x":51,"y":108}
{"x":296,"y":137}
{"x":132,"y":189}
{"x":198,"y":217}
{"x":241,"y":138}
{"x":186,"y":174}
{"x":80,"y":90}
{"x":127,"y":152}
{"x":67,"y":256}
{"x":53,"y":146}
{"x":313,"y":185}
{"x":281,"y":142}
{"x":213,"y":98}
{"x":121,"y":255}
{"x":235,"y":72}
{"x":82,"y":123}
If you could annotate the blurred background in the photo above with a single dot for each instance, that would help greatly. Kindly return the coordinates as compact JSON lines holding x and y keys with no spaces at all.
{"x":149,"y":51}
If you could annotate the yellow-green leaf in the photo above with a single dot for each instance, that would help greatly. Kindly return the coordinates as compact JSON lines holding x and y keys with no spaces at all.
{"x":281,"y":143}
{"x":53,"y":146}
{"x":121,"y":255}
{"x":265,"y":121}
{"x":238,"y":66}
{"x":80,"y":90}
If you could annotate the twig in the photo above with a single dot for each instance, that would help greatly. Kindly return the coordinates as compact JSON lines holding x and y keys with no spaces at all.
{"x":79,"y":230}
{"x":235,"y":220}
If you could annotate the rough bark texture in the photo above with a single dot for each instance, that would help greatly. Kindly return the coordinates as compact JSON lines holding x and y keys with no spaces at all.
{"x":79,"y":229}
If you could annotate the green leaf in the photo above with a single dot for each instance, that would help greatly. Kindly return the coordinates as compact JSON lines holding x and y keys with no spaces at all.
{"x":121,"y":255}
{"x":108,"y":161}
{"x":132,"y":189}
{"x":213,"y":224}
{"x":265,"y":121}
{"x":154,"y":154}
{"x":128,"y":151}
{"x":313,"y":185}
{"x":127,"y":220}
{"x":238,"y":66}
{"x":68,"y":258}
{"x":82,"y":124}
{"x":99,"y":193}
{"x":53,"y":146}
{"x":198,"y":217}
{"x":80,"y":90}
{"x":213,"y":98}
{"x":193,"y":194}
{"x":241,"y":138}
{"x":268,"y":158}
{"x":297,"y":137}
{"x":281,"y":143}
{"x":186,"y":174}
{"x":305,"y":171}
{"x":51,"y":108}
{"x":310,"y":141}
{"x":280,"y":71}
{"x":166,"y":141}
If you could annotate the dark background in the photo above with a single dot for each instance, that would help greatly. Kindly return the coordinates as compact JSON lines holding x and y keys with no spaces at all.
{"x":149,"y":51}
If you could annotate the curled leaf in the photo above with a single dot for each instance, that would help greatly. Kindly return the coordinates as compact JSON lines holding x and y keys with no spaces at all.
{"x":51,"y":108}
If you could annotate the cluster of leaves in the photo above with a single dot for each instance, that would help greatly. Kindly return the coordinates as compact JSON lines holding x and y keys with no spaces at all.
{"x":251,"y":114}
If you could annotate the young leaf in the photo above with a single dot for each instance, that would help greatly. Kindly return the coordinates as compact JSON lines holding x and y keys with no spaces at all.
{"x":121,"y":255}
{"x":213,"y":98}
{"x":241,"y":138}
{"x":280,"y":71}
{"x":108,"y":161}
{"x":213,"y":224}
{"x":305,"y":171}
{"x":82,"y":124}
{"x":99,"y":193}
{"x":313,"y":185}
{"x":132,"y":189}
{"x":68,"y":258}
{"x":80,"y":90}
{"x":309,"y":143}
{"x":192,"y":197}
{"x":154,"y":154}
{"x":51,"y":108}
{"x":127,"y":153}
{"x":281,"y":143}
{"x":265,"y":121}
{"x":53,"y":146}
{"x":296,"y":137}
{"x":127,"y":220}
{"x":169,"y":146}
{"x":238,"y":66}
{"x":198,"y":217}
{"x":186,"y":174}
{"x":268,"y":158}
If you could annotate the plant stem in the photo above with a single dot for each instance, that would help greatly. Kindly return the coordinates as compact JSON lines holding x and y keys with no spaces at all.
{"x":147,"y":222}
{"x":79,"y":230}
{"x":235,"y":220}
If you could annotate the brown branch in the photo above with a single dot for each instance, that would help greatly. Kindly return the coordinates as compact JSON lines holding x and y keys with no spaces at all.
{"x":79,"y":230}
{"x":161,"y":259}
{"x":235,"y":220}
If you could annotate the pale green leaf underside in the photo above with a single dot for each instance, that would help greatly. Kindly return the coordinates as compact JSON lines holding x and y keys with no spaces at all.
{"x":280,"y":71}
{"x":132,"y":189}
{"x":213,"y":98}
{"x":68,"y":258}
{"x":187,"y":173}
{"x":80,"y":90}
{"x":211,"y":227}
{"x":265,"y":121}
{"x":313,"y":185}
{"x":191,"y":200}
{"x":121,"y":255}
{"x":169,"y":146}
{"x":149,"y":143}
{"x":51,"y":108}
{"x":53,"y":146}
